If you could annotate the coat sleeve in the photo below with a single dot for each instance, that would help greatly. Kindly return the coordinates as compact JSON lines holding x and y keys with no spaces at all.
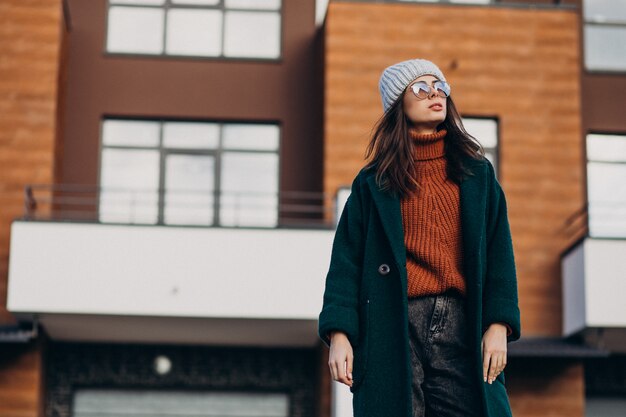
{"x":500,"y":299}
{"x":340,"y":303}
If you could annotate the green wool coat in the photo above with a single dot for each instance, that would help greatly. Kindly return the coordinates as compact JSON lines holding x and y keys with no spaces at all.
{"x":369,"y":303}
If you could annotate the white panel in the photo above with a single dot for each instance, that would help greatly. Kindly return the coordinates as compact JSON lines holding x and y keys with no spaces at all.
{"x":253,"y":4}
{"x":609,"y":148}
{"x":139,"y":2}
{"x":129,"y":179}
{"x":605,"y":48}
{"x":130,"y":133}
{"x":573,"y":288}
{"x":189,"y":181}
{"x":135,"y":29}
{"x":251,"y":136}
{"x":249,"y":184}
{"x":341,"y":399}
{"x":167,"y":271}
{"x":191,"y":135}
{"x":198,"y":2}
{"x":484,"y":130}
{"x":606,"y":195}
{"x":605,"y":283}
{"x":252,"y":34}
{"x":605,"y":10}
{"x":95,"y":402}
{"x":321,"y":8}
{"x":194,"y":32}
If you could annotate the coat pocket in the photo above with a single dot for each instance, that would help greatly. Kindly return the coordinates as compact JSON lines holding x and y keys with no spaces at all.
{"x":361,"y":351}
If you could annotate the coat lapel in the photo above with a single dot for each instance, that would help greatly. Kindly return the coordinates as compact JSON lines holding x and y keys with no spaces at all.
{"x":390,"y":216}
{"x":473,"y":192}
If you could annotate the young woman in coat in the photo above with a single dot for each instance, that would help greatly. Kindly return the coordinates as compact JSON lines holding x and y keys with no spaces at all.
{"x":421,"y":294}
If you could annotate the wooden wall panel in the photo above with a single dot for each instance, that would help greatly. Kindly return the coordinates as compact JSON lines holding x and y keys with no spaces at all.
{"x":30,"y":45}
{"x":519,"y":65}
{"x":553,"y":388}
{"x":21,"y":380}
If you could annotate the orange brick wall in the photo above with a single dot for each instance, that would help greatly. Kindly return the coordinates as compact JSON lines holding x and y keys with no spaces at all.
{"x":518,"y":65}
{"x":30,"y":41}
{"x":553,"y":387}
{"x":31,"y":34}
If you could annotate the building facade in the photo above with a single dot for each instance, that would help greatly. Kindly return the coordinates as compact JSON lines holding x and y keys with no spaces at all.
{"x":170,"y":179}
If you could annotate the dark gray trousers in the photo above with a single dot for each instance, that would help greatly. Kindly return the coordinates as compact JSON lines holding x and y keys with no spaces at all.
{"x":443,"y":384}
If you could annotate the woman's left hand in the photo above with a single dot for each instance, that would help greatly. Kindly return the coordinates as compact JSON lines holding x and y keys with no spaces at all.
{"x":493,"y":347}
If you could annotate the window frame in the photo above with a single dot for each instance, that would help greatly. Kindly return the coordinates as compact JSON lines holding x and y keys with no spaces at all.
{"x":587,"y":185}
{"x":221,"y":57}
{"x":216,"y":153}
{"x":590,"y":22}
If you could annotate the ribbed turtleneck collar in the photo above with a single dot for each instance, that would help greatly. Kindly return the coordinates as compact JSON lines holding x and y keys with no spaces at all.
{"x":428,"y":145}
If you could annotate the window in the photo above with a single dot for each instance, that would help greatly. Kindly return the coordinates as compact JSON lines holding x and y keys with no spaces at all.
{"x":486,"y":132}
{"x":606,"y":194}
{"x":605,"y":35}
{"x":189,"y":173}
{"x":198,"y":28}
{"x":114,"y":402}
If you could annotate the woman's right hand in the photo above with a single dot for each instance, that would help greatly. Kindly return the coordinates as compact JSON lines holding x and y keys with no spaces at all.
{"x":340,"y":358}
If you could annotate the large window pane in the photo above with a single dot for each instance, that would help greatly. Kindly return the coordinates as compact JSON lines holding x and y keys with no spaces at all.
{"x":605,"y":10}
{"x":139,"y":2}
{"x":195,"y":163}
{"x":168,"y":403}
{"x":253,"y":4}
{"x":484,"y":130}
{"x":191,"y":135}
{"x":194,"y":32}
{"x":249,"y":189}
{"x":607,"y":199}
{"x":130,"y":133}
{"x":608,"y":148}
{"x":606,"y":194}
{"x":135,"y":29}
{"x":129,"y":180}
{"x":198,"y":2}
{"x":258,"y":137}
{"x":189,"y":189}
{"x":605,"y":47}
{"x":252,"y":34}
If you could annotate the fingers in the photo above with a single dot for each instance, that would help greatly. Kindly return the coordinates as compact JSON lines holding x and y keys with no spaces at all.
{"x":341,"y":369}
{"x":494,"y":362}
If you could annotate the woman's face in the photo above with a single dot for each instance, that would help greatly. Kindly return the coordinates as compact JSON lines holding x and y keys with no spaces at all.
{"x":425,"y":115}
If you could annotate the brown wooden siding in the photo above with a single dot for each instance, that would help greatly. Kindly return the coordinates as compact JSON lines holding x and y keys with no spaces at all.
{"x":31,"y":37}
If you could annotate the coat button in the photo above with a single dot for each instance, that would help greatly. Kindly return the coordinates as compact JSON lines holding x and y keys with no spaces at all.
{"x":384,"y":269}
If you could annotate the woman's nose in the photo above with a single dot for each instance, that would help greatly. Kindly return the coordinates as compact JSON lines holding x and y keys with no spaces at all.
{"x":432,"y":92}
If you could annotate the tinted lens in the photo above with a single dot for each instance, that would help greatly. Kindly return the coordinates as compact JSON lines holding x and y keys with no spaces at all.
{"x":421,"y":89}
{"x":443,"y":88}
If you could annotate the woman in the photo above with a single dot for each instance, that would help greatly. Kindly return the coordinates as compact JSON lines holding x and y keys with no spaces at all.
{"x":421,"y":294}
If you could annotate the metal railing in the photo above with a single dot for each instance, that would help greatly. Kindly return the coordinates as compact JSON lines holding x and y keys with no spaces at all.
{"x":94,"y":204}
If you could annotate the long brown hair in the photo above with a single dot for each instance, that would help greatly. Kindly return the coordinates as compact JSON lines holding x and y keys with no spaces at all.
{"x":390,"y":149}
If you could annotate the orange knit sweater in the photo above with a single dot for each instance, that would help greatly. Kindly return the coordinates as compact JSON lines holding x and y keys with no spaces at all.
{"x":432,"y":222}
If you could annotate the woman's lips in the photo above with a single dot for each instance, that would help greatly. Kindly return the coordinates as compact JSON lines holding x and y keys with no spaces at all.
{"x":437,"y":107}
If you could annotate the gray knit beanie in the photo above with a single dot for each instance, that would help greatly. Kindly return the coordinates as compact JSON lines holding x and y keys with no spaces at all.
{"x":396,"y":78}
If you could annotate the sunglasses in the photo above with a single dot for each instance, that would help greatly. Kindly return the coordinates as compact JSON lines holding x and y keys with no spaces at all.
{"x":422,"y":90}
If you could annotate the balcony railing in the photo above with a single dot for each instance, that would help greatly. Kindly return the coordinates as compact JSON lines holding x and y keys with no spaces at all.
{"x":85,"y":203}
